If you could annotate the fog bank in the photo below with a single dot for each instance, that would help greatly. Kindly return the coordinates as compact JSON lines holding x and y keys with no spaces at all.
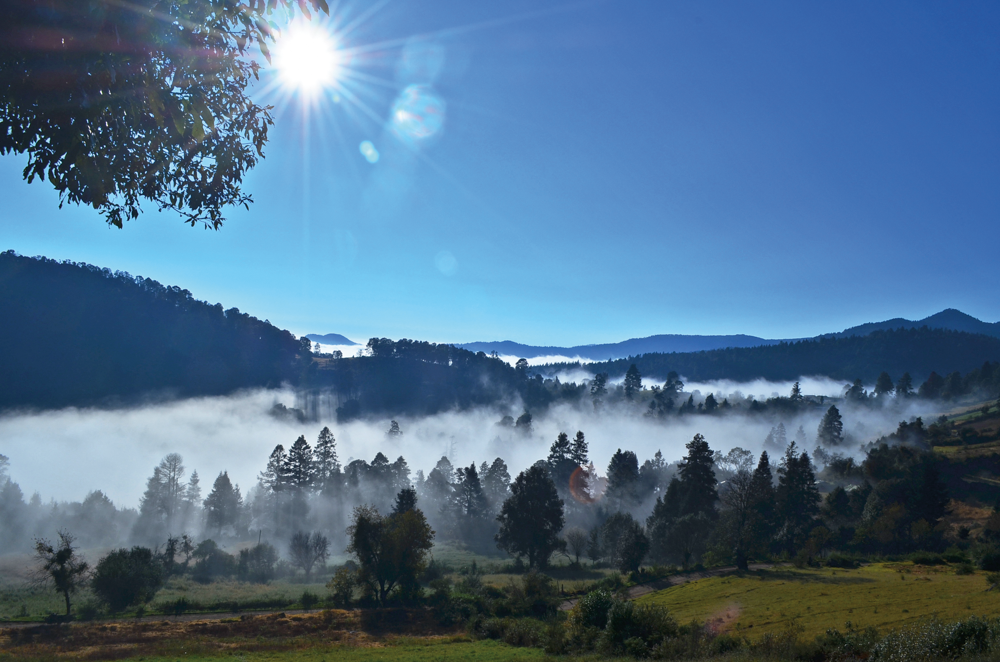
{"x":64,"y":454}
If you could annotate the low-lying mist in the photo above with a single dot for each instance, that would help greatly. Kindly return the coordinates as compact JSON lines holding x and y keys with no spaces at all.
{"x":62,"y":455}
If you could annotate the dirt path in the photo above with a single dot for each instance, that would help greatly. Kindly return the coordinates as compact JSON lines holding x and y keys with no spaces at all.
{"x":675,"y":580}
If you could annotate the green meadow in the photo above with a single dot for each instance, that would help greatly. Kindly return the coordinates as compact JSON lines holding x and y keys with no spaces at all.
{"x":810,"y":601}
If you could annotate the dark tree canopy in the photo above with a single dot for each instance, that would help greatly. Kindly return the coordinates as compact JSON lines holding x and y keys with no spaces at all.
{"x":127,"y":577}
{"x":120,"y":103}
{"x":531,"y":518}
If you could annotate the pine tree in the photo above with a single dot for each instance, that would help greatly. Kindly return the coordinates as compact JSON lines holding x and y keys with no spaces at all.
{"x":223,"y":504}
{"x":797,"y":498}
{"x":300,"y":469}
{"x":623,"y":474}
{"x":578,"y":451}
{"x":531,"y":518}
{"x":831,"y":428}
{"x":883,"y":385}
{"x":496,"y":483}
{"x":633,"y":382}
{"x":904,"y":387}
{"x":780,"y":435}
{"x":796,"y":395}
{"x":560,"y":462}
{"x":406,"y":500}
{"x":273,"y":478}
{"x":327,"y":464}
{"x":697,"y":478}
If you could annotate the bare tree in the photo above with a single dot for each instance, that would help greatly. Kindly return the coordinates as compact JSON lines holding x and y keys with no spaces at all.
{"x":576,"y":540}
{"x":307,"y":550}
{"x":61,"y":565}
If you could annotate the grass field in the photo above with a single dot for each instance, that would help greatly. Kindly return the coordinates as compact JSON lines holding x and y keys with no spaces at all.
{"x":810,"y":601}
{"x":415,"y":650}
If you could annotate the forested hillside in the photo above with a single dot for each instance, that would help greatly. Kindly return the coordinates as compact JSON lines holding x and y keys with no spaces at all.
{"x":76,"y":334}
{"x":916,"y":351}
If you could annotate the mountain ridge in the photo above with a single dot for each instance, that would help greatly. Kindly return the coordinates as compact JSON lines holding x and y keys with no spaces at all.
{"x":949,"y":319}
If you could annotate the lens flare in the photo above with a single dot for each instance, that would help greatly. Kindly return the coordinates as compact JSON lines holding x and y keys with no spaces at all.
{"x":418,"y":113}
{"x":368,"y":151}
{"x":306,"y":57}
{"x":585,"y":486}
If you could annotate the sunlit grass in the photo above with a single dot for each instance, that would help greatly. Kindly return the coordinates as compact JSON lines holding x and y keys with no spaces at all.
{"x":810,"y":601}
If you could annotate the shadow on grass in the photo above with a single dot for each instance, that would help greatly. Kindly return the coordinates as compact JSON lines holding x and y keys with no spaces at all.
{"x":573,"y":572}
{"x":778,"y":574}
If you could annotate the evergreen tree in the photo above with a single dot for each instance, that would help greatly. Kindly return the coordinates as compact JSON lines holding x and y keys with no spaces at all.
{"x":883,"y":385}
{"x":623,"y":476}
{"x":560,"y":461}
{"x":273,"y":478}
{"x":633,"y":382}
{"x":223,"y":504}
{"x":780,"y":435}
{"x":796,"y":395}
{"x":762,"y":505}
{"x":327,"y":465}
{"x":393,"y":430}
{"x":531,"y":518}
{"x":697,"y":479}
{"x":578,"y":451}
{"x":904,"y":387}
{"x":797,"y":498}
{"x":300,"y":468}
{"x":472,"y":508}
{"x":406,"y":500}
{"x":711,"y":404}
{"x":496,"y":483}
{"x":599,"y":388}
{"x":831,"y":428}
{"x":624,"y":542}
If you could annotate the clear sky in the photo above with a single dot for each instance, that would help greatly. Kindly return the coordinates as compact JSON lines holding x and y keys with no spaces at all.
{"x":597,"y":171}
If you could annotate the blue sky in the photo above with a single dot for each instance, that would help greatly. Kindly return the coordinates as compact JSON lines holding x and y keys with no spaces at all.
{"x":605,"y":171}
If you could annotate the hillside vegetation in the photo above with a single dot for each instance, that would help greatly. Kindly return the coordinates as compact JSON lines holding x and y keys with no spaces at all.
{"x":916,"y":351}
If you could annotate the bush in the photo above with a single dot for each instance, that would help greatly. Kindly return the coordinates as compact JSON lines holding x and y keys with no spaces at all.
{"x":257,"y":564}
{"x":838,"y":560}
{"x":990,"y":561}
{"x":212,"y":563}
{"x":592,"y":609}
{"x":341,"y":586}
{"x":651,"y":624}
{"x":127,"y":577}
{"x":513,"y":631}
{"x":88,"y":611}
{"x":308,"y":600}
{"x":927,"y":558}
{"x":965,"y":569}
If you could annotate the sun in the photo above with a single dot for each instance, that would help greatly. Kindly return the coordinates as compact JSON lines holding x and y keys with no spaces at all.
{"x":306,"y":57}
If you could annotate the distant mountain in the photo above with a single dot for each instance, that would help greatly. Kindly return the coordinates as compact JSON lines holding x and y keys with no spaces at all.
{"x":330,"y":339}
{"x":950,"y":319}
{"x":918,"y":351}
{"x":662,"y":343}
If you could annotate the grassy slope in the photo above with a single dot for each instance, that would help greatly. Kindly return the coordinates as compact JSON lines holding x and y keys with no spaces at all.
{"x":415,"y":650}
{"x":882,"y":595}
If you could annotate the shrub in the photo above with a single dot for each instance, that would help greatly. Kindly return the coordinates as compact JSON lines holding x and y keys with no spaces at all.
{"x":127,"y":577}
{"x":308,"y":600}
{"x":257,"y":564}
{"x":342,"y":586}
{"x":990,"y":561}
{"x":927,"y":558}
{"x":965,"y":568}
{"x":838,"y":560}
{"x":212,"y":563}
{"x":592,"y":609}
{"x":627,"y":620}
